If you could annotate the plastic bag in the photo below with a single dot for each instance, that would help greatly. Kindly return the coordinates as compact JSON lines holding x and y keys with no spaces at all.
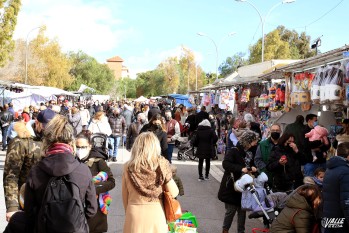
{"x":315,"y":88}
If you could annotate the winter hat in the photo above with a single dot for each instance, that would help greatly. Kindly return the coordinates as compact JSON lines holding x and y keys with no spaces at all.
{"x":46,"y":116}
{"x":260,"y":180}
{"x":241,"y":183}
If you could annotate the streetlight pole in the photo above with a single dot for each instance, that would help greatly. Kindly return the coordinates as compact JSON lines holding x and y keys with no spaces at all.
{"x":26,"y":55}
{"x":263,"y":19}
{"x":215,"y":45}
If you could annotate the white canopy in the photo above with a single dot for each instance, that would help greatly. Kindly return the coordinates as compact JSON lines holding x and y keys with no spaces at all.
{"x":141,"y":99}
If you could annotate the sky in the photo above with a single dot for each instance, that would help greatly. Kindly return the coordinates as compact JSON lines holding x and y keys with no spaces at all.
{"x":145,"y":32}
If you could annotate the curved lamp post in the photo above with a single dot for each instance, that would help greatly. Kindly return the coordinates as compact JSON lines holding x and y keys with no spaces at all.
{"x":216,"y":47}
{"x":265,"y":17}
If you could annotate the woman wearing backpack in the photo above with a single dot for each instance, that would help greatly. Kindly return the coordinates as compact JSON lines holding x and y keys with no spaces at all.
{"x":103,"y":179}
{"x":59,"y":170}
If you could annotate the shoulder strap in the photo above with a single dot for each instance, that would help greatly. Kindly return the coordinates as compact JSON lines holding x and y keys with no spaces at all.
{"x":292,"y":220}
{"x":98,"y":127}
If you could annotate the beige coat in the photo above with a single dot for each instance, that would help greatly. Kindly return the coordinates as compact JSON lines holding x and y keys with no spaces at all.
{"x":142,"y":216}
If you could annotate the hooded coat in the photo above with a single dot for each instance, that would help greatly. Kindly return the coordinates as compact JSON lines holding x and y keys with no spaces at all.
{"x":205,"y":140}
{"x":55,"y":165}
{"x":96,"y":163}
{"x":336,"y":190}
{"x":297,"y":216}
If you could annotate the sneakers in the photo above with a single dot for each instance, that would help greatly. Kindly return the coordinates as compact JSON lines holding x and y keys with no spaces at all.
{"x":201,"y":178}
{"x":207,"y":178}
{"x":114,"y":159}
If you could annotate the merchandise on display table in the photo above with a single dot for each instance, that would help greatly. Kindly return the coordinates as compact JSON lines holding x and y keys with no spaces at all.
{"x":300,"y":90}
{"x":185,"y":224}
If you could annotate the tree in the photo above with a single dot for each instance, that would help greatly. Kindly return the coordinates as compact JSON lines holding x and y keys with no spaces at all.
{"x":47,"y":65}
{"x":150,"y":83}
{"x":14,"y":70}
{"x":282,"y":44}
{"x":8,"y":13}
{"x":86,"y":70}
{"x":231,"y":64}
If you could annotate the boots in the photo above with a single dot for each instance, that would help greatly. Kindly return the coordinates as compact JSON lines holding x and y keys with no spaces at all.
{"x":225,"y":231}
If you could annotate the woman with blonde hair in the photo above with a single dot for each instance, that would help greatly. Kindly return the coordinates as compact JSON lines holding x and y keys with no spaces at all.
{"x":58,"y":161}
{"x":100,"y":124}
{"x":146,"y":175}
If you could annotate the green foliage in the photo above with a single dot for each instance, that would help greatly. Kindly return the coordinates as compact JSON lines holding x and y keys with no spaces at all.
{"x":231,"y":64}
{"x":86,"y":70}
{"x":150,"y":83}
{"x":127,"y":85}
{"x":282,"y":44}
{"x":8,"y":13}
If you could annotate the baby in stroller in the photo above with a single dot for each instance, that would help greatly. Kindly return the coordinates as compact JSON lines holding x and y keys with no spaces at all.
{"x":185,"y":149}
{"x":258,"y":198}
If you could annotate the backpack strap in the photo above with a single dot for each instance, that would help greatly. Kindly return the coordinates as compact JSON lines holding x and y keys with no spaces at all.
{"x":292,"y":220}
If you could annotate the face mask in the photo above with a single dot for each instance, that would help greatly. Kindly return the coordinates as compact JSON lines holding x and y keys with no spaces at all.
{"x":275,"y":135}
{"x":315,"y":123}
{"x":167,"y":118}
{"x":142,"y":121}
{"x":82,"y":153}
{"x":158,"y":126}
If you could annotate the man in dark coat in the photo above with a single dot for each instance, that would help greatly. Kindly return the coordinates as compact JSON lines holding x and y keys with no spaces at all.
{"x":297,"y":129}
{"x":202,"y":115}
{"x":336,"y":191}
{"x":205,"y":141}
{"x":6,"y":117}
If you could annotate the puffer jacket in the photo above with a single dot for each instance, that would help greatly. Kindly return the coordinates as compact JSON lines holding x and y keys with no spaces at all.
{"x":297,"y":216}
{"x":117,"y":125}
{"x":336,"y":190}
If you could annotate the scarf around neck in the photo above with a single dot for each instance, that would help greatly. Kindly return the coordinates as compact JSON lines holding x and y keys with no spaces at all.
{"x":58,"y":148}
{"x":149,"y":183}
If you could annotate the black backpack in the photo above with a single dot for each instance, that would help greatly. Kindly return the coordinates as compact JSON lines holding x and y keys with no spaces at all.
{"x":62,"y":209}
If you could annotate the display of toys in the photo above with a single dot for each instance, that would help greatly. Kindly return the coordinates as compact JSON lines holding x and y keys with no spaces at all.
{"x":185,"y":224}
{"x":245,"y":97}
{"x":315,"y":88}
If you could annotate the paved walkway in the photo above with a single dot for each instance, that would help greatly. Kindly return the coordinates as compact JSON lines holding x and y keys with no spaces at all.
{"x":200,"y":197}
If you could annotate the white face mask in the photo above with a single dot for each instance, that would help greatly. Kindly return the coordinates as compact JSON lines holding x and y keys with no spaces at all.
{"x":82,"y":153}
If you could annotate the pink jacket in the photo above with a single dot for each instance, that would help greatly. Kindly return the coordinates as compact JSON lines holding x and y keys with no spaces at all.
{"x":318,"y":133}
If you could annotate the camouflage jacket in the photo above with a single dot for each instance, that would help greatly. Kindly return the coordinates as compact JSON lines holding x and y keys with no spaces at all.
{"x":22,"y":154}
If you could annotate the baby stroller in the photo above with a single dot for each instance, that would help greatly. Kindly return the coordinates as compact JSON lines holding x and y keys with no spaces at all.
{"x":100,"y":140}
{"x":185,"y":150}
{"x":259,"y":199}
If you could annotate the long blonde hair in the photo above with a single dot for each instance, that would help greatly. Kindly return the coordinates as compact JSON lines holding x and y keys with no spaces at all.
{"x":145,"y":152}
{"x":58,"y":130}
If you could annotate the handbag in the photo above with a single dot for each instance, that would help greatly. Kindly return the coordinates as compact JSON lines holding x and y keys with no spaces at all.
{"x":172,"y":207}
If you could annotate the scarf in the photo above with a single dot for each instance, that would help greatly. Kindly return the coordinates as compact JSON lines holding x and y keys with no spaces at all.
{"x":59,"y":148}
{"x":149,"y":183}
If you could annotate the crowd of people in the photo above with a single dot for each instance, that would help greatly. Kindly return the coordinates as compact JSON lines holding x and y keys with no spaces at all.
{"x":54,"y":140}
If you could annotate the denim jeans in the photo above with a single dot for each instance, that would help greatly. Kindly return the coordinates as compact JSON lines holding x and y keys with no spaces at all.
{"x":230,"y":211}
{"x":309,"y":168}
{"x":170,"y":152}
{"x":4,"y":136}
{"x":114,"y":141}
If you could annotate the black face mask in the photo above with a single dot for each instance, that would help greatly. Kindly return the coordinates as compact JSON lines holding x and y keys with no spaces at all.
{"x":275,"y":135}
{"x":167,"y":118}
{"x":157,"y":126}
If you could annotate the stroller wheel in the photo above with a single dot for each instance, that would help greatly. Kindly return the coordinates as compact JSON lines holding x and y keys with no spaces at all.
{"x":192,"y":153}
{"x":179,"y":156}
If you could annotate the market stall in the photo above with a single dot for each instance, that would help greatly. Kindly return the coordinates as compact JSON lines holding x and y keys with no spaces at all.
{"x":318,"y":85}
